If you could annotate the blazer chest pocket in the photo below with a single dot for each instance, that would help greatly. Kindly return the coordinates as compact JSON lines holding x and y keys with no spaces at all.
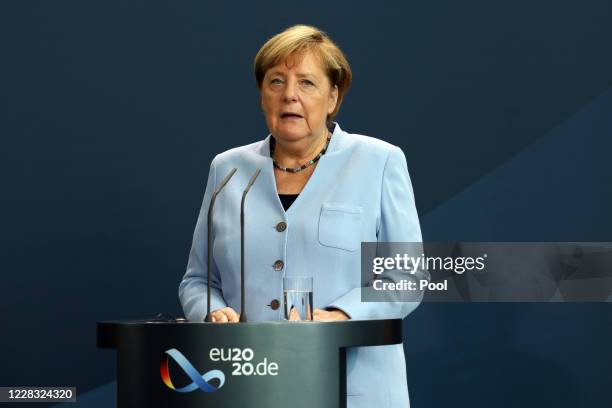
{"x":340,"y":226}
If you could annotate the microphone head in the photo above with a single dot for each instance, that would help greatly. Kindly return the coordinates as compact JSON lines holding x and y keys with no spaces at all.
{"x":253,"y":178}
{"x":225,"y":180}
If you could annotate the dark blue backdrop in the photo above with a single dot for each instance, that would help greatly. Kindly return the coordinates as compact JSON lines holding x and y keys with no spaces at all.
{"x":111,"y":112}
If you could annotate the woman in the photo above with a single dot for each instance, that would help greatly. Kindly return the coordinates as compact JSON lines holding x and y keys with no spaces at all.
{"x":321,"y":192}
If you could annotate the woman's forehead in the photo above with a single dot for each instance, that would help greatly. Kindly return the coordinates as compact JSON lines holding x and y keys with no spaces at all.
{"x":305,"y":63}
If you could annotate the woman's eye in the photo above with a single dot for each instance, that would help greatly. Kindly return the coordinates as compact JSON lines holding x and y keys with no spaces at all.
{"x":307,"y":82}
{"x":276,"y":81}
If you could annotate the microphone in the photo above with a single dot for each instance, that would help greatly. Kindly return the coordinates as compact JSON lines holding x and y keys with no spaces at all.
{"x":208,"y":317}
{"x":243,"y":317}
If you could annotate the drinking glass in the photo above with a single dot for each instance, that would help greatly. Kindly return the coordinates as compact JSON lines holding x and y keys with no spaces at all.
{"x":297,"y":296}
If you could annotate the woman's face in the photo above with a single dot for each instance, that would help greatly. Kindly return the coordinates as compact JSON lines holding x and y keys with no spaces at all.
{"x":296,"y":97}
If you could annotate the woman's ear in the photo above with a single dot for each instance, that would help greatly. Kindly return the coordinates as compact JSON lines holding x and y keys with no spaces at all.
{"x":333,"y":99}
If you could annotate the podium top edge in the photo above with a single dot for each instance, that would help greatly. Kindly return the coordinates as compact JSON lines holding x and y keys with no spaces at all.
{"x":349,"y":333}
{"x":264,"y":323}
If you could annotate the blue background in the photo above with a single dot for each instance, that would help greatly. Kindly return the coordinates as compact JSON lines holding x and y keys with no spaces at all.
{"x":112,"y":111}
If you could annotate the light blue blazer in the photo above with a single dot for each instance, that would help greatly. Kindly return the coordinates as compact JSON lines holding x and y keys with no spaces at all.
{"x":359,"y":191}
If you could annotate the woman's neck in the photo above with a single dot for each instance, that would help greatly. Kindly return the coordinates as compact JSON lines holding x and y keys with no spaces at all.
{"x":296,"y":153}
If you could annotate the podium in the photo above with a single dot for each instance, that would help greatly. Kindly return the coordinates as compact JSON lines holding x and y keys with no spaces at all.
{"x":240,"y":365}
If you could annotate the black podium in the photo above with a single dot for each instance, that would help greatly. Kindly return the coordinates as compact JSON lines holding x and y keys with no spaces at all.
{"x":262,"y":365}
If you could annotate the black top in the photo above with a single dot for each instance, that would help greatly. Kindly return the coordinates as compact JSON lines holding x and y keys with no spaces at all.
{"x":287,"y":200}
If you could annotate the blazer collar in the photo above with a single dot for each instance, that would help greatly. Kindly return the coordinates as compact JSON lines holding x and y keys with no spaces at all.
{"x":334,"y":143}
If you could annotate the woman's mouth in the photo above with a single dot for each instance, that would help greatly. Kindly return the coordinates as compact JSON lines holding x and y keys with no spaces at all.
{"x":290,"y":116}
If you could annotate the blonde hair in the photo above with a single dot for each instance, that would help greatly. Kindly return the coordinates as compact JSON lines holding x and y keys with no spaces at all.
{"x":295,"y":42}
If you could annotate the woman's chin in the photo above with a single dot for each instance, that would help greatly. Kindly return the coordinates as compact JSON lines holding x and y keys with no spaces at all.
{"x":289,"y":135}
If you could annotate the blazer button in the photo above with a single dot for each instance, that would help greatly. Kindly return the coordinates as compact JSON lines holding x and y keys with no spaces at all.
{"x":281,"y":226}
{"x":278,"y":265}
{"x":274,"y":304}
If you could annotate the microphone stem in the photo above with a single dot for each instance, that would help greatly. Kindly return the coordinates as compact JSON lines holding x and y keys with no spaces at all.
{"x":243,"y":315}
{"x":208,"y":317}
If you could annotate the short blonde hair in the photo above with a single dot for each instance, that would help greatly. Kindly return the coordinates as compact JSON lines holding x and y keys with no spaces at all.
{"x":297,"y":40}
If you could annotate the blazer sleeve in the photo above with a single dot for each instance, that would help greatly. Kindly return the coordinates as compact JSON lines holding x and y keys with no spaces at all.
{"x":192,"y":289}
{"x":399,"y":222}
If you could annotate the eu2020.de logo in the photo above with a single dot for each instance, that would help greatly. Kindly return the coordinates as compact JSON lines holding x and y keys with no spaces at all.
{"x":201,"y":382}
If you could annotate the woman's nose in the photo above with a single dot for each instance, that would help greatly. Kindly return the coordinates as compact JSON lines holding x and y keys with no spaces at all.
{"x":290,"y":92}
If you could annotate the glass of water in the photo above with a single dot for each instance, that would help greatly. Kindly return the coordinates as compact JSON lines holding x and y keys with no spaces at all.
{"x":297,"y":296}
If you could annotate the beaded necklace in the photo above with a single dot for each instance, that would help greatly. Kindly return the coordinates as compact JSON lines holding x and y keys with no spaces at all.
{"x":303,"y":166}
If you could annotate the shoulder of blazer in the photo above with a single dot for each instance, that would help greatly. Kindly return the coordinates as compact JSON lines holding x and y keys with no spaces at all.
{"x":366,"y":147}
{"x":240,"y":153}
